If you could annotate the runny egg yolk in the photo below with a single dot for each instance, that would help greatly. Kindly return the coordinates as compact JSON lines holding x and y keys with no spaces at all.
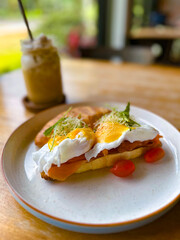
{"x":57,"y":141}
{"x":109,"y":132}
{"x":76,"y":133}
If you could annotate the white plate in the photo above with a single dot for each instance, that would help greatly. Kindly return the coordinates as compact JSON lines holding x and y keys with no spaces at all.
{"x":95,"y":201}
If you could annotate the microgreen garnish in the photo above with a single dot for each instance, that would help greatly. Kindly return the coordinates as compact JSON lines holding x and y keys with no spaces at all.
{"x":63,"y":126}
{"x":122,"y":117}
{"x":48,"y":131}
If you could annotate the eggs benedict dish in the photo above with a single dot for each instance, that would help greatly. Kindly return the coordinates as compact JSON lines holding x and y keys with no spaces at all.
{"x":89,"y":138}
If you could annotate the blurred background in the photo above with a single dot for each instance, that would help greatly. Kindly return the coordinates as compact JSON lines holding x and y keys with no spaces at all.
{"x":119,"y":30}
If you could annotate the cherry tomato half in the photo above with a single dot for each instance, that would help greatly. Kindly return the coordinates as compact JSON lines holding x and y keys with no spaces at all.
{"x":123,"y":168}
{"x":154,"y":155}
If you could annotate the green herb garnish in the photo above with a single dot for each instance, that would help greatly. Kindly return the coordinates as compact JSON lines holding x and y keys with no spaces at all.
{"x":49,"y":131}
{"x":63,"y":126}
{"x":122,"y":117}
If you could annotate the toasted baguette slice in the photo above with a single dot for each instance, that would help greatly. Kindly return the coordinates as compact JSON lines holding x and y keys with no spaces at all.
{"x":102,"y":162}
{"x":88,"y":114}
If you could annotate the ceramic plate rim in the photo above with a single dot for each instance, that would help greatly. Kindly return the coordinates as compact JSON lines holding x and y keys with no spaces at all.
{"x":75,"y":223}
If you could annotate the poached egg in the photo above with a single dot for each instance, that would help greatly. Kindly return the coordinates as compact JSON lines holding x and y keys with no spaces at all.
{"x":110,"y":135}
{"x":74,"y":144}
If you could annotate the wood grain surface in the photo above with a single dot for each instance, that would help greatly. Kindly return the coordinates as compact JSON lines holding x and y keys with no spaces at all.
{"x":156,"y":88}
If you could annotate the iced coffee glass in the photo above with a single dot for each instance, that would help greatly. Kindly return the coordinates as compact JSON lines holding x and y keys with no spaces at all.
{"x":41,"y":69}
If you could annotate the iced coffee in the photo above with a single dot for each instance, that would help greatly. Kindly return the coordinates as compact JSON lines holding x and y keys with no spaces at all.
{"x":41,"y":70}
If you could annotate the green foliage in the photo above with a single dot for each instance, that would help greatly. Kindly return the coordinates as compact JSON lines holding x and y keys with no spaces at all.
{"x":55,"y":18}
{"x":9,"y":61}
{"x":58,"y":24}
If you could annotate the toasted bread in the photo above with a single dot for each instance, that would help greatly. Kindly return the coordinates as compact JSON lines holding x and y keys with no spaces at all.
{"x":110,"y":159}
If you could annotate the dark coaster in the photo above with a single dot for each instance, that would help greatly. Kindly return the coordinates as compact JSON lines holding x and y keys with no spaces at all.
{"x":33,"y":107}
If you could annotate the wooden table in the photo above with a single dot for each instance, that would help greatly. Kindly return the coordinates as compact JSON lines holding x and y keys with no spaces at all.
{"x":155,"y":88}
